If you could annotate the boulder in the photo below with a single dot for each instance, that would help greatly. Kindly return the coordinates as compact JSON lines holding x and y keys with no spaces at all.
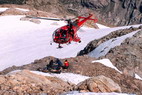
{"x":99,"y":84}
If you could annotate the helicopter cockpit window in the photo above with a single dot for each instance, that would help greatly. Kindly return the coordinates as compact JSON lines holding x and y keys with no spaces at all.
{"x":63,"y":32}
{"x":56,"y":33}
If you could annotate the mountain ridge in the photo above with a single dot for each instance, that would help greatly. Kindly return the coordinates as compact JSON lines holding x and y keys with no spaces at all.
{"x":109,"y":12}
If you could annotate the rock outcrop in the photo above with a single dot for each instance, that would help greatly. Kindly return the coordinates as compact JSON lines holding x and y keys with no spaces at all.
{"x":113,"y":12}
{"x":109,"y":12}
{"x":13,"y":2}
{"x":128,"y":55}
{"x":94,"y":44}
{"x":24,"y":10}
{"x":99,"y":84}
{"x":25,"y":83}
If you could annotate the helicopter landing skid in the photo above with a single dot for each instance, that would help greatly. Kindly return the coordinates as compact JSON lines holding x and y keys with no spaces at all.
{"x":59,"y":46}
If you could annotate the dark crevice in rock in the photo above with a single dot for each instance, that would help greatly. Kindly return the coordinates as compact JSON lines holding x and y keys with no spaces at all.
{"x":140,"y":8}
{"x":13,"y":2}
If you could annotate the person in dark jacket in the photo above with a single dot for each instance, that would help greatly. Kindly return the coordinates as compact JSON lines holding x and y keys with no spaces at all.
{"x":60,"y":64}
{"x":54,"y":66}
{"x":50,"y":65}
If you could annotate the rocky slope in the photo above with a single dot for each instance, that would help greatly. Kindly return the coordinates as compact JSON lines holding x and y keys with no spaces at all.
{"x":128,"y":55}
{"x":93,"y":44}
{"x":110,"y":12}
{"x":82,"y":65}
{"x":114,"y":12}
{"x":26,"y":82}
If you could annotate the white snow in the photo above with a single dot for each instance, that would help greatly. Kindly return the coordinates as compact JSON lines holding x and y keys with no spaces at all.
{"x":101,"y":26}
{"x":138,"y":77}
{"x":105,"y":47}
{"x":22,"y":41}
{"x":107,"y":63}
{"x":68,"y":77}
{"x":22,"y":9}
{"x":3,"y":9}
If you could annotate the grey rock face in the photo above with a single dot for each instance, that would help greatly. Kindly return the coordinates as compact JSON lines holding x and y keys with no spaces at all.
{"x":12,"y":1}
{"x":94,"y":44}
{"x":110,"y":12}
{"x":114,"y":12}
{"x":128,"y":55}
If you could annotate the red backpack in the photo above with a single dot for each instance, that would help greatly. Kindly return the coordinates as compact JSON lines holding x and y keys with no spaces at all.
{"x":66,"y":63}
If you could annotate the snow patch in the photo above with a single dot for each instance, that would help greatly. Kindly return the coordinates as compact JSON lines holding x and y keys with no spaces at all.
{"x":25,"y":10}
{"x":138,"y":77}
{"x":3,"y":9}
{"x":101,"y":26}
{"x":107,"y":63}
{"x":68,"y":77}
{"x":13,"y":72}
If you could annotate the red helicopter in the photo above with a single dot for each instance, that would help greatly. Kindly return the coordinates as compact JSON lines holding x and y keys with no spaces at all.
{"x":68,"y":33}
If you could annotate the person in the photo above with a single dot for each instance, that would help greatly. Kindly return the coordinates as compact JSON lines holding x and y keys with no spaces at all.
{"x":54,"y":66}
{"x":70,"y":28}
{"x":71,"y":31}
{"x":50,"y":65}
{"x":63,"y":33}
{"x":66,"y":64}
{"x":70,"y":24}
{"x":59,"y":63}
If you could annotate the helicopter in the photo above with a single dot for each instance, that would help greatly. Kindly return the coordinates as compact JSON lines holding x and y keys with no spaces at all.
{"x":68,"y":33}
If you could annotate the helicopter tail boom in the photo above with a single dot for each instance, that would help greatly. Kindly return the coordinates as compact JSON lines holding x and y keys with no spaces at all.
{"x":82,"y":20}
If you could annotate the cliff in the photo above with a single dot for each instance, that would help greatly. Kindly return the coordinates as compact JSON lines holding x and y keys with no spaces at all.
{"x":110,"y":12}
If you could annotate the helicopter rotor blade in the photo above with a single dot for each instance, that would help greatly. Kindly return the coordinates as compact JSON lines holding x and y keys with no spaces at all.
{"x":44,"y":18}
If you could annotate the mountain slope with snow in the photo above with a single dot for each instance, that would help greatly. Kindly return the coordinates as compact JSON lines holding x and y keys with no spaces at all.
{"x":105,"y":47}
{"x":22,"y":41}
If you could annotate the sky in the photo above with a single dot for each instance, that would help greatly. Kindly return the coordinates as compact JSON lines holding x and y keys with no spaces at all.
{"x":22,"y":42}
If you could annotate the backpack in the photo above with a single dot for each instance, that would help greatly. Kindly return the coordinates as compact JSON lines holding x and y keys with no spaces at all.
{"x":66,"y":63}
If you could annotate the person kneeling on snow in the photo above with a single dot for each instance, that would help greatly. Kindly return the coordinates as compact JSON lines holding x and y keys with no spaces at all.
{"x":50,"y":65}
{"x":66,"y":64}
{"x":55,"y":67}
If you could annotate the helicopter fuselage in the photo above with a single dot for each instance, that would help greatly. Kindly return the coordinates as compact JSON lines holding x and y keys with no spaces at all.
{"x":68,"y":32}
